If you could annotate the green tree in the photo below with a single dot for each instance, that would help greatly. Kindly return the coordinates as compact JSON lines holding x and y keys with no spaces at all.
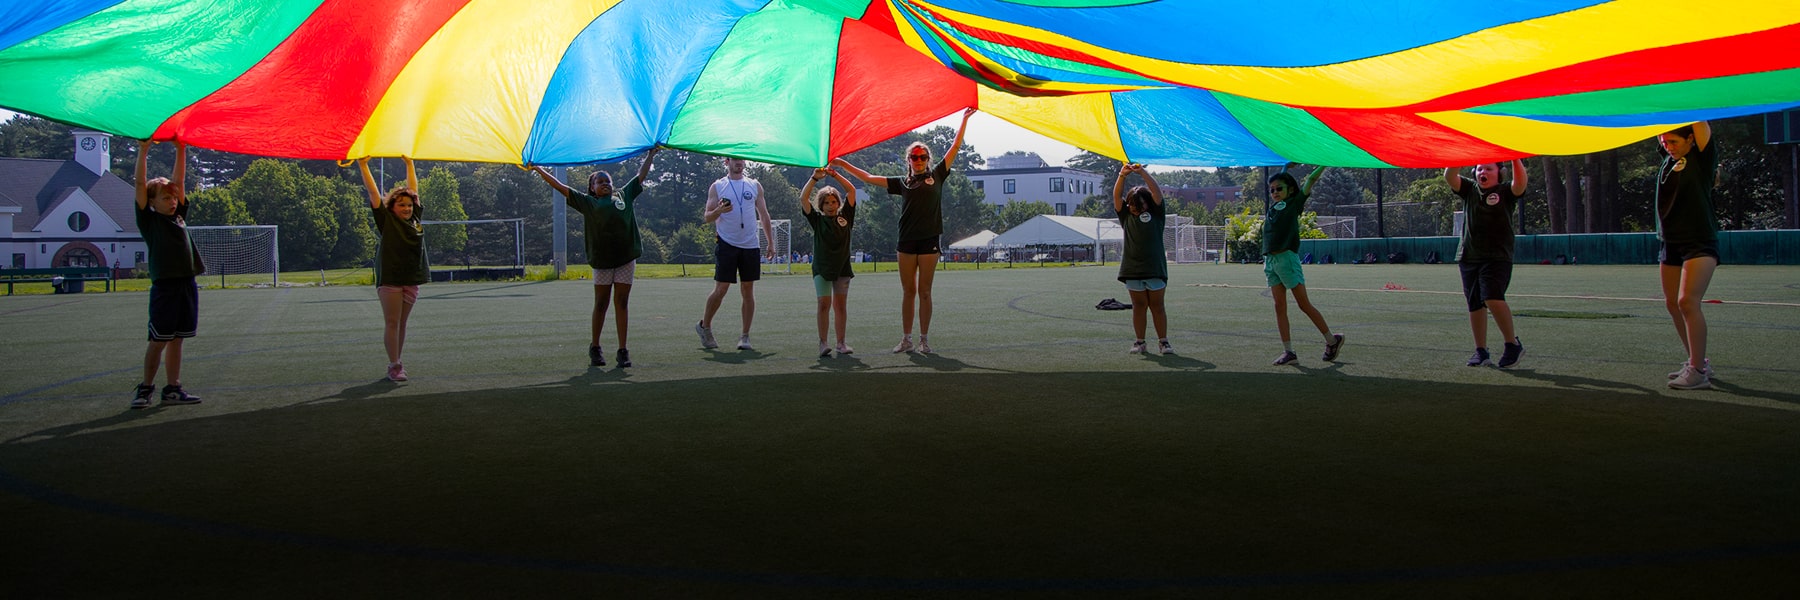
{"x":1020,"y":211}
{"x":1105,"y":166}
{"x":216,"y":206}
{"x":438,"y":193}
{"x":355,"y":233}
{"x":277,"y":192}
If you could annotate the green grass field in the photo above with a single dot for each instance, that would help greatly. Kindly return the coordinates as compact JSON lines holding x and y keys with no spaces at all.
{"x":1030,"y":455}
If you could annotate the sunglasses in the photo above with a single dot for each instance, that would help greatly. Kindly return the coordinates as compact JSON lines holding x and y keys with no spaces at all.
{"x":1278,"y":188}
{"x":920,"y":157}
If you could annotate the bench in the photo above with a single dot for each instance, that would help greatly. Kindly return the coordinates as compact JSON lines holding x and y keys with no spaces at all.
{"x":67,"y":273}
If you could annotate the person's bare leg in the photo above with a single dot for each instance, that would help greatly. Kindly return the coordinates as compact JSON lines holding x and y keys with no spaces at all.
{"x":1696,"y":275}
{"x":824,"y":319}
{"x":1306,"y":306}
{"x":1139,"y":306}
{"x":1281,"y":319}
{"x":621,"y":299}
{"x":840,"y":301}
{"x":1478,"y":326}
{"x":713,"y":301}
{"x":748,"y":291}
{"x":152,"y":361}
{"x":1671,"y":285}
{"x":1157,"y":316}
{"x":390,"y":317}
{"x":172,"y":362}
{"x":909,"y":288}
{"x":927,"y":272}
{"x":597,"y":320}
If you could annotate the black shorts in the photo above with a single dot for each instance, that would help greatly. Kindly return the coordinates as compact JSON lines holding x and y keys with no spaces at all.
{"x":925,"y":246}
{"x":1677,"y":253}
{"x":174,"y":309}
{"x":1484,"y":281}
{"x":731,"y":263}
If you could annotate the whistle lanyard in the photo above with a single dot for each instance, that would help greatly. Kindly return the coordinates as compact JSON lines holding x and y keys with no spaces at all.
{"x":737,"y":197}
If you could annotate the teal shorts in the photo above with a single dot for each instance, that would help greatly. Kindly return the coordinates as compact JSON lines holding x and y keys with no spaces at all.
{"x":1145,"y":285}
{"x":825,"y":287}
{"x":1283,"y":269}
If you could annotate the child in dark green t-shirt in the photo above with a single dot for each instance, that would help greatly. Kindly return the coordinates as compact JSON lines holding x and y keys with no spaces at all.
{"x":162,"y":207}
{"x":1142,"y":265}
{"x":1281,"y":262}
{"x":609,"y":225}
{"x":400,"y":258}
{"x":831,"y":214}
{"x":1485,"y":253}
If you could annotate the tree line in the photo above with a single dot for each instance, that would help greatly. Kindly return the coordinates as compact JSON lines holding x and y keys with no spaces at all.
{"x":323,"y":212}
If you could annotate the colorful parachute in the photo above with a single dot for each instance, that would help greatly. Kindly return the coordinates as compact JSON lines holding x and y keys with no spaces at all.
{"x":1177,"y":82}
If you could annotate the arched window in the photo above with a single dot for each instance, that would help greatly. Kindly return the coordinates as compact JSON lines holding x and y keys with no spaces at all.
{"x":79,"y":221}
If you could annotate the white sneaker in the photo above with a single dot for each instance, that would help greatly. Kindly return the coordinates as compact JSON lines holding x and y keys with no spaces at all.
{"x":1137,"y":347}
{"x":824,"y":350}
{"x":1691,"y":379}
{"x":1705,"y":369}
{"x":904,"y":346}
{"x":844,"y":348}
{"x":706,"y":336}
{"x":744,"y":343}
{"x":924,"y":346}
{"x":1165,"y":347}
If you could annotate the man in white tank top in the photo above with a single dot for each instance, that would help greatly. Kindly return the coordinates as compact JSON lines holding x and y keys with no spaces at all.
{"x":735,"y":207}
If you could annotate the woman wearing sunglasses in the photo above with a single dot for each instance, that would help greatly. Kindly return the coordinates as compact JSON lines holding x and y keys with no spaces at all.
{"x":921,"y":224}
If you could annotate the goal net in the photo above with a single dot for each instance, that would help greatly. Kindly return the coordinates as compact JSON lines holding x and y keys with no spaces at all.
{"x":239,"y":255}
{"x":783,"y":244}
{"x":1188,"y":243}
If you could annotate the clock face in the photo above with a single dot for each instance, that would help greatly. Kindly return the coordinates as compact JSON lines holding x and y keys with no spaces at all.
{"x":87,"y":143}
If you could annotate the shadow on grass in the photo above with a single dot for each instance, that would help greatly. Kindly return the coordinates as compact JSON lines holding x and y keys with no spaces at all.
{"x":734,"y":356}
{"x":839,"y":482}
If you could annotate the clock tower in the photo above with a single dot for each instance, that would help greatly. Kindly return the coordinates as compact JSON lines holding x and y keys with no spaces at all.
{"x":93,"y":150}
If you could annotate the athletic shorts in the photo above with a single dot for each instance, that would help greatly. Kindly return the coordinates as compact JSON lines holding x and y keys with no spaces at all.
{"x":1484,"y":281}
{"x":1675,"y":254}
{"x":731,"y":263}
{"x":1283,"y":269}
{"x":1145,"y":285}
{"x":408,"y":293}
{"x":174,"y":309}
{"x":826,"y":287}
{"x":619,"y":274}
{"x":925,"y":246}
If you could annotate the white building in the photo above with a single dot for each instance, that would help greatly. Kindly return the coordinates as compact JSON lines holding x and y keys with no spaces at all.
{"x":68,"y":213}
{"x":1029,"y":178}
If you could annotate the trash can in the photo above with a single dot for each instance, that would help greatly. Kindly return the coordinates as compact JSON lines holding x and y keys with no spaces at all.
{"x":74,"y":286}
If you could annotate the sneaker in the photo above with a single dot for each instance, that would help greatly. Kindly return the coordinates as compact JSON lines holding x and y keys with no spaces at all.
{"x":173,"y":395}
{"x":596,"y":358}
{"x":845,"y":349}
{"x":1137,"y":347}
{"x":706,"y":337}
{"x":1164,"y":346}
{"x":1331,"y":349}
{"x":924,"y":346}
{"x":396,"y":372}
{"x":1510,"y":356}
{"x":623,"y":358}
{"x":744,"y":343}
{"x":1705,"y":369}
{"x":904,"y":346}
{"x":1286,"y":357}
{"x":824,"y":350}
{"x":1691,"y":379}
{"x":142,"y":398}
{"x":1480,"y":357}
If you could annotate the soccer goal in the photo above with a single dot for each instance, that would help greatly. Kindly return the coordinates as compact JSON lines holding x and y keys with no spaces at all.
{"x":477,"y":249}
{"x":784,"y":246}
{"x":236,"y":253}
{"x":1189,"y":243}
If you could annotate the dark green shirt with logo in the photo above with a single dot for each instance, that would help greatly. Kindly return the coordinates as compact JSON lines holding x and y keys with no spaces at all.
{"x":400,"y":248}
{"x":1487,"y":233}
{"x":1143,"y":257}
{"x":922,"y":202}
{"x":168,"y":249}
{"x":1684,"y":210}
{"x":1281,"y":228}
{"x":831,"y":242}
{"x":610,"y":226}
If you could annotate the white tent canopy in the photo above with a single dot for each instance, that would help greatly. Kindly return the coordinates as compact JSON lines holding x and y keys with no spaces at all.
{"x":975,"y":242}
{"x":1056,"y":230}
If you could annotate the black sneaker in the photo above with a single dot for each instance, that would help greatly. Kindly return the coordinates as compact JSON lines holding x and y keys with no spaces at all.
{"x":1331,"y":349}
{"x":142,"y":398}
{"x":174,"y":395}
{"x":596,"y":358}
{"x":1511,"y":355}
{"x":623,"y":358}
{"x":1480,"y":357}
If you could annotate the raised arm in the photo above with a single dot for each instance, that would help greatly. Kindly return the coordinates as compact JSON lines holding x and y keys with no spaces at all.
{"x":644,"y":169}
{"x":369,"y":182}
{"x":955,"y":146}
{"x":542,"y":173}
{"x":1453,"y":178}
{"x":1702,"y":135}
{"x":412,"y":180}
{"x":1311,"y":178}
{"x":143,"y":195}
{"x":179,"y":181}
{"x":859,"y":173}
{"x":806,"y":193}
{"x":1150,"y":184}
{"x":1118,"y":194}
{"x":849,"y":188}
{"x":1521,"y":178}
